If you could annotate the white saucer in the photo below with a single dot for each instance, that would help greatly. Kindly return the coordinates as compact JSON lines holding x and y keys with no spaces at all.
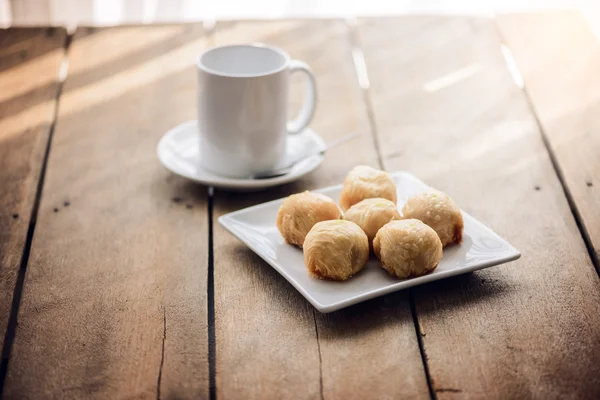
{"x":178,"y":151}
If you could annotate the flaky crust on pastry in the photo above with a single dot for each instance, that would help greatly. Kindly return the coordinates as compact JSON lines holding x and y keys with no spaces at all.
{"x":372,"y":214}
{"x":439,"y":211}
{"x":335,"y":250}
{"x":300,"y":212}
{"x":365,"y":182}
{"x":407,"y":248}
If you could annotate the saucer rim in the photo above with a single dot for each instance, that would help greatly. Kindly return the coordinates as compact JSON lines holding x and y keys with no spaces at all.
{"x":241,"y":183}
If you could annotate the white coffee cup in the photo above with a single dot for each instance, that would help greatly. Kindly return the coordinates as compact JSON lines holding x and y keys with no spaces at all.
{"x":243,"y":107}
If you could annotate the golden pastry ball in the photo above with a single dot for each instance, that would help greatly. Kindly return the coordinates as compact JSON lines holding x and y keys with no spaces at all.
{"x":372,"y":214}
{"x":335,"y":250}
{"x":300,"y":212}
{"x":407,"y":248}
{"x":364,"y":182}
{"x":439,"y":211}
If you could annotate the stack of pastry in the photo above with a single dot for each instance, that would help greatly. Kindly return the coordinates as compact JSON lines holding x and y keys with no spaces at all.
{"x":336,"y":246}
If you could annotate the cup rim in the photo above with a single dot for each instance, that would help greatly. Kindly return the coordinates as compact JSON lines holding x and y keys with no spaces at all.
{"x":211,"y":71}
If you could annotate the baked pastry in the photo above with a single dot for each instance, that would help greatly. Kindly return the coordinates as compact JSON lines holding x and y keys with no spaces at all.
{"x":407,"y":248}
{"x":365,"y":182}
{"x":372,"y":214}
{"x":335,"y":250}
{"x":299,"y":212}
{"x":439,"y":211}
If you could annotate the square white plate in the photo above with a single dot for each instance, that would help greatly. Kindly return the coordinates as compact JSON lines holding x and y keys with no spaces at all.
{"x":255,"y":226}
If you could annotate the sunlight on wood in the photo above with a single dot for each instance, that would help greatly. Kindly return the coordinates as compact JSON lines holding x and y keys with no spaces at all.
{"x":512,"y":66}
{"x":37,"y":115}
{"x":125,"y":43}
{"x":63,"y":70}
{"x":27,"y":76}
{"x":9,"y":48}
{"x":361,"y":68}
{"x":451,"y":78}
{"x":36,"y":78}
{"x":114,"y":86}
{"x":503,"y":134}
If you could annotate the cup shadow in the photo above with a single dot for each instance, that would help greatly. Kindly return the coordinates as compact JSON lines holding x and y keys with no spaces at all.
{"x":227,"y":201}
{"x":264,"y":278}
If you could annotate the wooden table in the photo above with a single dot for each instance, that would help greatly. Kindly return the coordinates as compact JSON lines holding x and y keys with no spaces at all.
{"x":116,"y":282}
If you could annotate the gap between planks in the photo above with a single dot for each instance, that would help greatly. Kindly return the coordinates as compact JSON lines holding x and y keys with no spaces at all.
{"x":162,"y":354}
{"x":210,"y":296}
{"x":320,"y":357}
{"x":512,"y":64}
{"x":209,"y":32}
{"x":18,"y":290}
{"x":362,"y":74}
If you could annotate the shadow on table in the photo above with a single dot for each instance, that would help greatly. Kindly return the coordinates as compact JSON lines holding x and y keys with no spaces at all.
{"x":279,"y":295}
{"x":429,"y":299}
{"x":393,"y":309}
{"x":228,"y":201}
{"x":19,"y":45}
{"x":372,"y":315}
{"x":461,"y":291}
{"x":272,"y":288}
{"x":185,"y":192}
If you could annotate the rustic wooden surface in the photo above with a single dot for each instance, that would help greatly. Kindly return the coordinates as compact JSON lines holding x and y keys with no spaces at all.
{"x":30,"y":61}
{"x":530,"y":328}
{"x":127,"y":295}
{"x":559,"y":59}
{"x":114,"y":303}
{"x":270,"y":343}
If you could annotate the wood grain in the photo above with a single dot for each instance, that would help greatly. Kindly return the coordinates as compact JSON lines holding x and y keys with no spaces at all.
{"x":447,"y":110}
{"x":270,"y":342}
{"x":559,"y":58}
{"x":30,"y":61}
{"x":114,"y":301}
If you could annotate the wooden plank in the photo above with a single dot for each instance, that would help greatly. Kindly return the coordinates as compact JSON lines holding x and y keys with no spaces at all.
{"x":30,"y":61}
{"x":559,"y":58}
{"x":446,"y":109}
{"x":114,"y":301}
{"x":270,"y":342}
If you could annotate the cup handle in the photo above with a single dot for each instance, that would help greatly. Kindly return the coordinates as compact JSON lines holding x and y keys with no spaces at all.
{"x":308,"y":107}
